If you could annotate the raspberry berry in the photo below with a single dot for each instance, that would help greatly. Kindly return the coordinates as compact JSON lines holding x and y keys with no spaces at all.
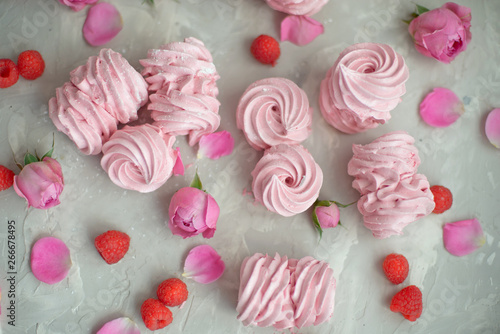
{"x":396,"y":268}
{"x":265,"y":49}
{"x":112,"y":245}
{"x":442,"y":197}
{"x":30,"y":64}
{"x":172,"y":292}
{"x":155,"y":315}
{"x":6,"y":178}
{"x":9,"y":74}
{"x":408,"y":302}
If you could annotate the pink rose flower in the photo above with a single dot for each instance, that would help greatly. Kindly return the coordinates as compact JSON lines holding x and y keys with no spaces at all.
{"x":328,"y":216}
{"x":442,"y":33}
{"x":77,"y":5}
{"x":192,"y":211}
{"x":40,"y":183}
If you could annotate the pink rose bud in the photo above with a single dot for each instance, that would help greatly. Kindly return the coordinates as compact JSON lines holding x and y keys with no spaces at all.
{"x":328,"y":216}
{"x":40,"y":183}
{"x":442,"y":33}
{"x":192,"y":211}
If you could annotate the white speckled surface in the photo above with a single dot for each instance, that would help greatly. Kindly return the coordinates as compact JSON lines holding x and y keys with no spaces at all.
{"x":461,"y":295}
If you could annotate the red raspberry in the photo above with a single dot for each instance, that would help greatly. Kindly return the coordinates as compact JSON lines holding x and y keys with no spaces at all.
{"x":442,"y":197}
{"x":408,"y":302}
{"x":9,"y":74}
{"x":30,"y":64}
{"x":396,"y":268}
{"x":6,"y":178}
{"x":112,"y":245}
{"x":265,"y":49}
{"x":155,"y":315}
{"x":172,"y":292}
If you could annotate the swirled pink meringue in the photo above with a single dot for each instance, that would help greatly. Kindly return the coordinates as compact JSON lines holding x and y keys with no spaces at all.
{"x":178,"y":113}
{"x":264,"y":295}
{"x":362,"y":87}
{"x":285,"y":293}
{"x":287,"y":180}
{"x":297,"y":7}
{"x":188,"y":66}
{"x":312,"y":292}
{"x":139,"y":158}
{"x":393,"y":195}
{"x":388,"y":210}
{"x":113,"y":84}
{"x":388,"y":159}
{"x":274,"y":111}
{"x":87,"y":124}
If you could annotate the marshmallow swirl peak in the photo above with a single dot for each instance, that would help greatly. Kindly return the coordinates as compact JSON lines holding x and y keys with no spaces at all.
{"x":186,"y":66}
{"x":285,"y":293}
{"x":87,"y":124}
{"x":177,"y":113}
{"x":139,"y":158}
{"x":393,"y":195}
{"x":362,"y":87}
{"x":110,"y":81}
{"x":287,"y":180}
{"x":388,"y":159}
{"x":274,"y":111}
{"x":297,"y":7}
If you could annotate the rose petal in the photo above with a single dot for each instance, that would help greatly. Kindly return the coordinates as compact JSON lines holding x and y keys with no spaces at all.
{"x":103,"y":23}
{"x":203,"y":264}
{"x":328,"y":216}
{"x":492,"y":127}
{"x":441,"y":108}
{"x":300,"y":30}
{"x":50,"y":260}
{"x":216,"y":145}
{"x":77,"y":5}
{"x":178,"y":166}
{"x":463,"y":237}
{"x":119,"y":326}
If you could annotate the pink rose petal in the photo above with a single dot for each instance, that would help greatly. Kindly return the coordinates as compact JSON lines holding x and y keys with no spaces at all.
{"x":77,"y":5}
{"x":216,"y":145}
{"x":463,"y":237}
{"x":120,"y":326}
{"x":328,"y":216}
{"x":103,"y":23}
{"x":441,"y":108}
{"x":178,"y":166}
{"x":300,"y":30}
{"x":203,"y":264}
{"x":50,"y":260}
{"x":492,"y":127}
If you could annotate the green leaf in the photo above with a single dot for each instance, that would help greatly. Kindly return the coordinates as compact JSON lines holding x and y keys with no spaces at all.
{"x":343,"y":205}
{"x":29,"y":158}
{"x":421,"y":10}
{"x":322,"y":203}
{"x":151,"y":2}
{"x":196,"y":182}
{"x":316,"y":223}
{"x":49,"y":153}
